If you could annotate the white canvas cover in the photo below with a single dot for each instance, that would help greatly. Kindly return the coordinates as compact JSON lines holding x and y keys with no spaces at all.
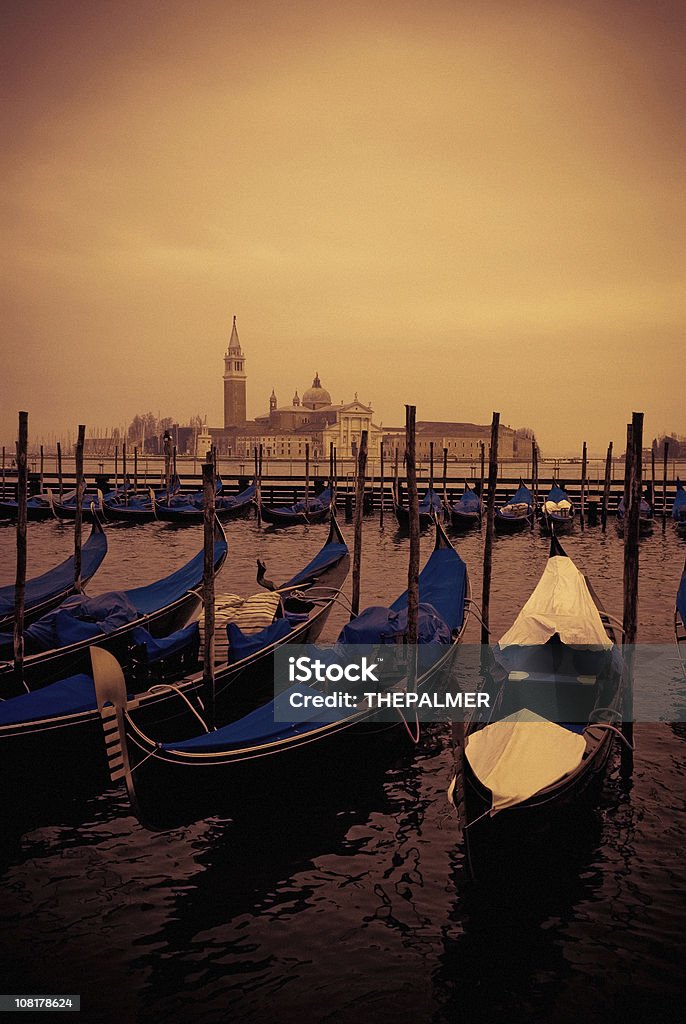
{"x":520,"y":755}
{"x":561,"y":603}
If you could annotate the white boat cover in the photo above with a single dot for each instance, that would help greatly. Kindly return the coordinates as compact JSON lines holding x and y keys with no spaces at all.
{"x":561,"y":603}
{"x":520,"y":755}
{"x":558,"y":506}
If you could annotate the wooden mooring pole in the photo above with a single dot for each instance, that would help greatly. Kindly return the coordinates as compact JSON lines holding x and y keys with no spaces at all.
{"x":125,"y":482}
{"x":664,"y":485}
{"x":20,"y":579}
{"x":382,"y":483}
{"x":135,"y":472}
{"x":258,"y":488}
{"x":209,"y":482}
{"x":59,"y":469}
{"x":584,"y":460}
{"x":359,"y":511}
{"x":413,"y":566}
{"x":307,"y":477}
{"x":78,"y":517}
{"x":632,"y":501}
{"x":490,"y":520}
{"x":481,"y":482}
{"x":116,"y":464}
{"x":606,"y":486}
{"x":445,"y":478}
{"x":42,"y":467}
{"x":4,"y":496}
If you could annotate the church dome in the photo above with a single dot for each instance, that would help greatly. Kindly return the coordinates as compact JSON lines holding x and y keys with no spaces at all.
{"x":316,"y":396}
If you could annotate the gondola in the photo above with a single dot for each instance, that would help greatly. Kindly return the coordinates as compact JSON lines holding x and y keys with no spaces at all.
{"x":430,"y":507}
{"x":517,"y":513}
{"x":136,"y":507}
{"x":465,"y":514}
{"x":90,"y":506}
{"x":255,"y":750}
{"x":57,"y":645}
{"x":309,"y":510}
{"x":38,"y":509}
{"x":555,"y":685}
{"x":680,"y":620}
{"x":557,"y":511}
{"x":646,"y":517}
{"x":185,"y":511}
{"x":54,"y":586}
{"x":67,"y":709}
{"x":679,"y":507}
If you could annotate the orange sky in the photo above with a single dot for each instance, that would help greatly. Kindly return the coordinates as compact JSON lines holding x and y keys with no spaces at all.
{"x":466,"y":206}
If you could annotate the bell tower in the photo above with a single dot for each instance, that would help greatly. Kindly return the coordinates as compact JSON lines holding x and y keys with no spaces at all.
{"x":234,"y":382}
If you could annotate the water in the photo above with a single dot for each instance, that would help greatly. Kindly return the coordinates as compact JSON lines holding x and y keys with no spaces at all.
{"x":356,"y":908}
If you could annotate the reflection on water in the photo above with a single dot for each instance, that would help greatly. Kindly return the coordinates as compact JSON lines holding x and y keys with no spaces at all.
{"x":352,"y":907}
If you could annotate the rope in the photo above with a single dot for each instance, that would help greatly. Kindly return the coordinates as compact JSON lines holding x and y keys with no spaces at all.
{"x":160,"y":687}
{"x":415,"y":739}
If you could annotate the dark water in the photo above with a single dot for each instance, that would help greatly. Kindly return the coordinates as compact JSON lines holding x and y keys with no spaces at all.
{"x":355,"y":908}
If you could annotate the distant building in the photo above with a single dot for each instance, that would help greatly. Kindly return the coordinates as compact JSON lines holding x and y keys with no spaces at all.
{"x":463,"y":440}
{"x":235,"y":380}
{"x":677,"y":446}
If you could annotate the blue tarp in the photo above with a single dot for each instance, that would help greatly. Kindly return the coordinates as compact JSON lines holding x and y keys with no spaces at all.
{"x":163,"y":592}
{"x":329,"y":555}
{"x":556,"y":494}
{"x":376,"y":622}
{"x":679,"y":506}
{"x":681,"y":598}
{"x":256,"y":728}
{"x":155,"y":648}
{"x":442,"y":584}
{"x":522,"y":496}
{"x":430,"y":501}
{"x":322,"y":501}
{"x":242,"y":645}
{"x":68,"y":696}
{"x":469,"y":502}
{"x":646,"y":509}
{"x":80,"y":618}
{"x":60,"y":579}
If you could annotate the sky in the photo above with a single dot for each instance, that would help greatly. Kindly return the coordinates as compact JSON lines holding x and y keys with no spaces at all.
{"x":466,"y":207}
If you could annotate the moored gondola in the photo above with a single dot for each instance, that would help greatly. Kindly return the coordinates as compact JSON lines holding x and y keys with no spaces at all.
{"x":557,"y":511}
{"x":466,"y":512}
{"x":517,"y":513}
{"x":57,"y":645}
{"x":555,"y":685}
{"x":38,"y":509}
{"x":185,"y":511}
{"x":308,"y":510}
{"x":56,"y":585}
{"x":646,"y":517}
{"x":67,"y":709}
{"x":91,"y":505}
{"x":680,"y":620}
{"x":679,"y":507}
{"x":430,"y":507}
{"x":256,"y":749}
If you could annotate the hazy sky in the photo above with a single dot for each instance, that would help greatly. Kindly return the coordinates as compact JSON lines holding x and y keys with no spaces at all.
{"x":466,"y":206}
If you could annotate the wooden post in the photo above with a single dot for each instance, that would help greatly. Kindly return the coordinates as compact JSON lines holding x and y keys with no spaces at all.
{"x":664,"y":485}
{"x":431,"y":472}
{"x":209,"y":480}
{"x":606,"y":486}
{"x":481,"y":482}
{"x":584,"y":458}
{"x":125,"y":482}
{"x":135,"y":470}
{"x":307,"y":477}
{"x":445,"y":477}
{"x":42,"y":466}
{"x":4,"y":496}
{"x":174,"y":453}
{"x":413,"y":514}
{"x":59,"y":469}
{"x":78,"y":518}
{"x":335,"y":473}
{"x":258,"y":489}
{"x":167,"y":463}
{"x":359,"y":499}
{"x":20,"y":580}
{"x":490,"y":520}
{"x":652,"y":477}
{"x":116,"y":465}
{"x":383,"y":481}
{"x":534,"y":480}
{"x":632,"y":497}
